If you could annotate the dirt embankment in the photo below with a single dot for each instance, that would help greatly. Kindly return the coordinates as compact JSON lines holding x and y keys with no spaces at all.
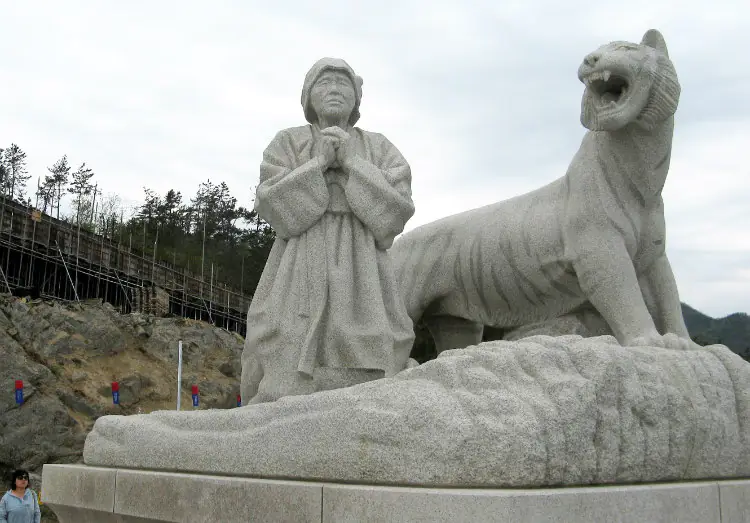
{"x":69,"y":354}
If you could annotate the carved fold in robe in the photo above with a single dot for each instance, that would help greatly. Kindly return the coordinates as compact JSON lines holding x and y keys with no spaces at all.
{"x":328,"y":296}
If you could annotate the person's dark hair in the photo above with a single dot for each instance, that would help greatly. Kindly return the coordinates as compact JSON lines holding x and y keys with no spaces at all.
{"x":20,"y":473}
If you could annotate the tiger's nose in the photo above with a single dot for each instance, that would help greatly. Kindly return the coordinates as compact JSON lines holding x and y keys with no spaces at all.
{"x":592,"y":58}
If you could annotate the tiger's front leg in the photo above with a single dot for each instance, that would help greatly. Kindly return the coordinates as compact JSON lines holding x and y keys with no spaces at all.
{"x":659,"y":290}
{"x":606,"y":275}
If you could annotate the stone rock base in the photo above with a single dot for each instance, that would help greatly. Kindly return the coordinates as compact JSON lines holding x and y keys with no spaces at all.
{"x":81,"y":494}
{"x":540,"y":412}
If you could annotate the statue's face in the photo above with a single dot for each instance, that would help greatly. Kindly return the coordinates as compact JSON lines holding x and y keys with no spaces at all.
{"x":333,"y":96}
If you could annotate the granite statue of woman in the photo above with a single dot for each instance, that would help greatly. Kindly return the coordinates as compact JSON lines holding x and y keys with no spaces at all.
{"x":336,"y":196}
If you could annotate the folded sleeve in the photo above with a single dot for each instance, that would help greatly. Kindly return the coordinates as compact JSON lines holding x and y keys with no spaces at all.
{"x":291,"y":199}
{"x":380,"y":195}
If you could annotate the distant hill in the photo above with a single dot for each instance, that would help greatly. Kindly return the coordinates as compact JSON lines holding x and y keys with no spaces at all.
{"x":732,"y":331}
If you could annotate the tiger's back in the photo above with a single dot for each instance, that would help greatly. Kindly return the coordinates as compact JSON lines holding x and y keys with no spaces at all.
{"x":500,"y":265}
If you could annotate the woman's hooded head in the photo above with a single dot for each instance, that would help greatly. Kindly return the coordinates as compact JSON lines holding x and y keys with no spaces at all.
{"x":335,"y":64}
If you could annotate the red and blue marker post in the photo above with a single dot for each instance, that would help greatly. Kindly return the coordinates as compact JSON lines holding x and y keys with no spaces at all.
{"x":239,"y":400}
{"x":19,"y":392}
{"x":195,"y":395}
{"x":115,"y":393}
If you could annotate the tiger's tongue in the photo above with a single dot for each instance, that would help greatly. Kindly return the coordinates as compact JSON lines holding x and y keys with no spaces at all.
{"x":609,"y":97}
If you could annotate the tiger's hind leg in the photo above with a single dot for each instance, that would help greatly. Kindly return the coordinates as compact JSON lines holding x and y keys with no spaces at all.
{"x":452,"y":332}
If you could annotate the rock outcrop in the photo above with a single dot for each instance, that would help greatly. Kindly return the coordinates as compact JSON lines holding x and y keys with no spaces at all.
{"x":67,"y":356}
{"x":541,"y":411}
{"x":43,"y":430}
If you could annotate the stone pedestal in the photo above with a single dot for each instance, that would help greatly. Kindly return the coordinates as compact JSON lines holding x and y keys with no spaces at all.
{"x":84,"y":494}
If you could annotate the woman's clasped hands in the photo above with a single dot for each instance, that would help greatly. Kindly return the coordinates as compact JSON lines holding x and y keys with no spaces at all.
{"x":335,"y":147}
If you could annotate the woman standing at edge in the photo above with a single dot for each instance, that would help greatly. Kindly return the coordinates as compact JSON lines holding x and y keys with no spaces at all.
{"x":20,"y":504}
{"x":336,"y":196}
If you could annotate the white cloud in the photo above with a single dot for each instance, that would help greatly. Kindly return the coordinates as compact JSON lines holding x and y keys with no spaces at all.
{"x":482,"y":98}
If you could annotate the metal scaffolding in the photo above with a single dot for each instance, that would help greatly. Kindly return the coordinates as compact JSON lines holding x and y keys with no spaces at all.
{"x":62,"y":261}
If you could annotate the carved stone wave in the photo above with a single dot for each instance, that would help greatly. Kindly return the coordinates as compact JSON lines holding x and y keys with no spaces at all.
{"x":541,"y":411}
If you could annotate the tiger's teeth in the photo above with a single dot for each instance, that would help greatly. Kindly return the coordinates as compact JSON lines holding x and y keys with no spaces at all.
{"x":606,"y":76}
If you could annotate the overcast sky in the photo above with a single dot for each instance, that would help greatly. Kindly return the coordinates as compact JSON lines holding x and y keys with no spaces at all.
{"x":482,"y":99}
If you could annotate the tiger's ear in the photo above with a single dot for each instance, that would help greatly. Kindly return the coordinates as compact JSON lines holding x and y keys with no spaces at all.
{"x":653,"y":38}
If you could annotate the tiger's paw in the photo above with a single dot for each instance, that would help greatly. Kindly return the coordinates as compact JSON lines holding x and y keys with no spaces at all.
{"x":665,"y":341}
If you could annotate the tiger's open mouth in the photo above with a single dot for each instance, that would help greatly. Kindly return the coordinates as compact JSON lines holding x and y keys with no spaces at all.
{"x":609,"y":89}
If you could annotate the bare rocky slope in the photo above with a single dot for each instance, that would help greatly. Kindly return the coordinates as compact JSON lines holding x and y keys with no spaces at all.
{"x":69,"y":354}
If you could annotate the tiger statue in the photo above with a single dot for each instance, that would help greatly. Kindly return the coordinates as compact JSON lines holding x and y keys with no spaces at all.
{"x":593,"y":238}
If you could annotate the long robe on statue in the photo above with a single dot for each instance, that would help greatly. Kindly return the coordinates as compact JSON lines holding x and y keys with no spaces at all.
{"x":328,"y":295}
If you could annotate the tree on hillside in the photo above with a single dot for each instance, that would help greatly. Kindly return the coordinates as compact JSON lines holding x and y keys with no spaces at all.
{"x":148,"y":218}
{"x":50,"y":190}
{"x":227,"y":215}
{"x":149,"y":209}
{"x":171,"y":215}
{"x":214,"y":206}
{"x":81,"y":187}
{"x":203,"y":205}
{"x":45,"y":194}
{"x":15,"y":176}
{"x":236,"y":241}
{"x":110,"y":209}
{"x":258,"y":238}
{"x":3,"y":170}
{"x":54,"y":182}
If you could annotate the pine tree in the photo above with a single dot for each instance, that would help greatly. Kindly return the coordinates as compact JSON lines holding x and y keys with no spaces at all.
{"x":54,"y":183}
{"x":81,"y":186}
{"x":15,"y":178}
{"x":3,"y":170}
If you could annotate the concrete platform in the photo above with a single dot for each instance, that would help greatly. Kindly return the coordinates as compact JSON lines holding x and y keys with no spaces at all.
{"x":81,"y":494}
